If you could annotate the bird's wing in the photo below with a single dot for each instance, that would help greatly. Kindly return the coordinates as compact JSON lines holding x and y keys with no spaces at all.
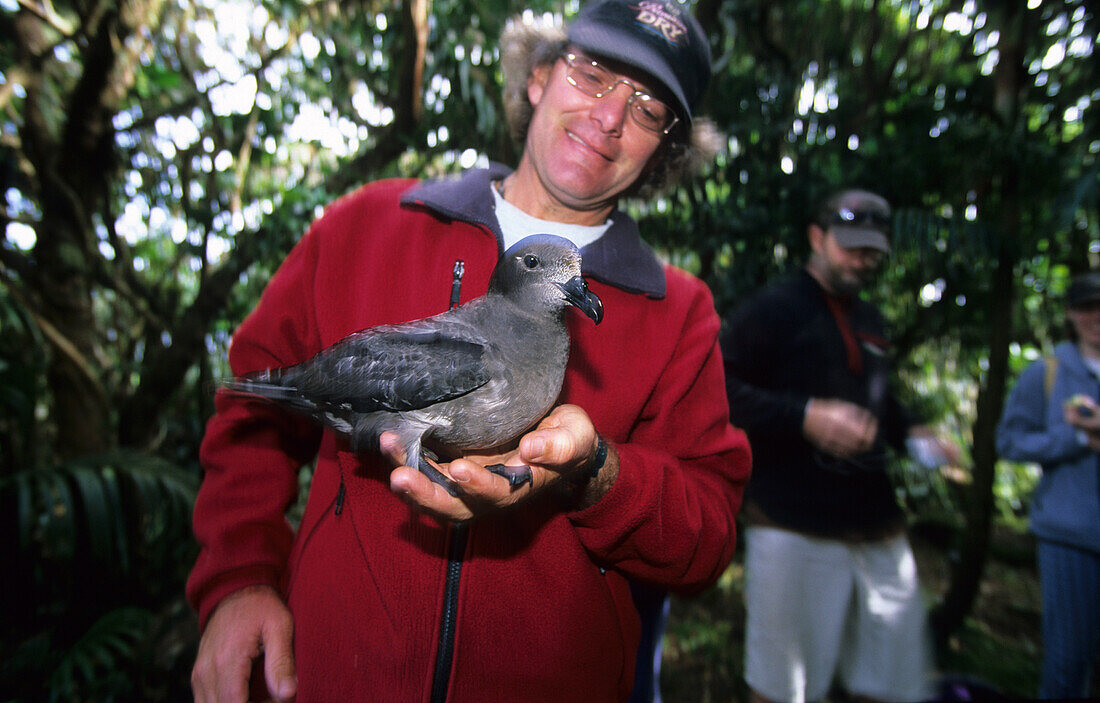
{"x":395,"y":368}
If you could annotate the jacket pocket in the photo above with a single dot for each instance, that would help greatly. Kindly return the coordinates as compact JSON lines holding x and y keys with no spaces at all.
{"x":316,"y":514}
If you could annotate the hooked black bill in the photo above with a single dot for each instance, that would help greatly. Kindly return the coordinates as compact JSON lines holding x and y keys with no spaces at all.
{"x":578,"y":294}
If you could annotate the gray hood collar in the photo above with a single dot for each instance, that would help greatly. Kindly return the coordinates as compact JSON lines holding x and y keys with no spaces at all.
{"x":619,"y":258}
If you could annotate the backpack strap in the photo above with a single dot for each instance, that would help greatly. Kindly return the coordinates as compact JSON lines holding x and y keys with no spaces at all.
{"x":1051,"y":363}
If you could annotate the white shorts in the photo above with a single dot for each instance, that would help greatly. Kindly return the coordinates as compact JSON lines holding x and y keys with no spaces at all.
{"x":822,"y":609}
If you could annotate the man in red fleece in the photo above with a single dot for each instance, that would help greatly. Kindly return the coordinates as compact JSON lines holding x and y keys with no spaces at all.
{"x":392,"y":589}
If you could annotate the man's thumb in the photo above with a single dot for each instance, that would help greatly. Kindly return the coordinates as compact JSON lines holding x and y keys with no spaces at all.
{"x":282,"y":682}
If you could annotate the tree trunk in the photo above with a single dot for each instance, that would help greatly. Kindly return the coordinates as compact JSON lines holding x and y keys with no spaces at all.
{"x":69,"y":162}
{"x":80,"y":405}
{"x":969,"y":566}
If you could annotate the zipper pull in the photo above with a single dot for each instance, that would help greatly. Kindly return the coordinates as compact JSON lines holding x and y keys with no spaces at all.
{"x":456,"y":282}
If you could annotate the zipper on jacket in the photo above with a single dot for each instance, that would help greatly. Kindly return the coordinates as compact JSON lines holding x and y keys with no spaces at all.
{"x":456,"y":282}
{"x":340,"y":496}
{"x":444,"y":656}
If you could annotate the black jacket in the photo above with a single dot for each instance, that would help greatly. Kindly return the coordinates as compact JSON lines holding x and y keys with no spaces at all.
{"x":783,"y":346}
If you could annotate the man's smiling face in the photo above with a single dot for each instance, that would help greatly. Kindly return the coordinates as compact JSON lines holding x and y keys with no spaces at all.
{"x":585,"y":150}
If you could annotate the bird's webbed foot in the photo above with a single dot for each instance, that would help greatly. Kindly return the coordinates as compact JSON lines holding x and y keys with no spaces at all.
{"x":516,"y":475}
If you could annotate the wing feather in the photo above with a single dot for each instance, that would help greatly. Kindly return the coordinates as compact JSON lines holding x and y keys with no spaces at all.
{"x":394,"y":368}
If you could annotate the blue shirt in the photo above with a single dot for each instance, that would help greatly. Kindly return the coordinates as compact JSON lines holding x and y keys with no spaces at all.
{"x":1066,"y":504}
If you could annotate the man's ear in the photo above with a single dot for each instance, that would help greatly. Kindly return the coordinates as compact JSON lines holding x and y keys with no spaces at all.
{"x":536,"y":82}
{"x":817,"y":236}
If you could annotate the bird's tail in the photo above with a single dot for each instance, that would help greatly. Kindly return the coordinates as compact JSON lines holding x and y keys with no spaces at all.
{"x":278,"y":387}
{"x":270,"y":385}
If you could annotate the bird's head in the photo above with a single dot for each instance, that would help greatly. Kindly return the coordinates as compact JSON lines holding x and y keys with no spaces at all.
{"x":544,"y":270}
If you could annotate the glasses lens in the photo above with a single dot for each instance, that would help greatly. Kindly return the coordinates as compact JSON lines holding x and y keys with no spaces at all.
{"x":588,"y":76}
{"x":651,"y":113}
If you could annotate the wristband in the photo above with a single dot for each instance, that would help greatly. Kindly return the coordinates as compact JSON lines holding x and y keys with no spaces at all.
{"x":590,"y":471}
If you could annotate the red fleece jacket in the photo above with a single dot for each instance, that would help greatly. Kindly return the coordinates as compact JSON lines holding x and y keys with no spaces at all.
{"x":544,"y":611}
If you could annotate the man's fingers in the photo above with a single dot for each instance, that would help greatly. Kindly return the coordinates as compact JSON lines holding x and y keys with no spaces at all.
{"x":390,"y":446}
{"x":279,"y":672}
{"x":565,"y":438}
{"x":231,"y":679}
{"x":545,"y":447}
{"x":479,"y":489}
{"x":203,"y":686}
{"x":422,"y":493}
{"x":867,"y":439}
{"x":222,"y":669}
{"x":246,"y":624}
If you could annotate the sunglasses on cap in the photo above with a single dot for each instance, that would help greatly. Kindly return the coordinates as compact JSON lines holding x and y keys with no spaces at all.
{"x":845,"y":217}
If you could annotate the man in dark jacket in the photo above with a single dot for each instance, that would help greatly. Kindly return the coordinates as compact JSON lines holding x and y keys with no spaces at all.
{"x":508,"y":594}
{"x":831,"y":586}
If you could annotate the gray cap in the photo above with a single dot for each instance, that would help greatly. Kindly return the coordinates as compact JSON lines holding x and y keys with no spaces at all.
{"x":857,"y":218}
{"x":659,"y":37}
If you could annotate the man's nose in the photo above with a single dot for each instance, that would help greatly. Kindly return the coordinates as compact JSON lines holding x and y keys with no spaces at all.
{"x":612,"y":109}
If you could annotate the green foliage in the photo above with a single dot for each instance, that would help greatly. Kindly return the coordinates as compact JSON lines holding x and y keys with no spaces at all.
{"x":96,"y":525}
{"x":94,"y":669}
{"x":703,"y":646}
{"x":101,"y":545}
{"x":21,"y":385}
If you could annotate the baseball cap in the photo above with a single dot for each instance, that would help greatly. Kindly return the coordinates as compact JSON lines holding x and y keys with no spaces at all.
{"x":1084,"y":288}
{"x":659,"y":37}
{"x":858,"y":218}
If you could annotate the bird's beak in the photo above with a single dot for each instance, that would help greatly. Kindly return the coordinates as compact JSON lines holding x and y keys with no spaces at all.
{"x":577,"y":293}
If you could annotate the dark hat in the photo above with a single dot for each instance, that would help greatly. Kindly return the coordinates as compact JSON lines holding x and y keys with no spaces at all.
{"x":857,"y":218}
{"x":1084,"y":288}
{"x":659,"y":37}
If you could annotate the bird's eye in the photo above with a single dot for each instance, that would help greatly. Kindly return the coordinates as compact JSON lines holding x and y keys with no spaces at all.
{"x":531,"y":261}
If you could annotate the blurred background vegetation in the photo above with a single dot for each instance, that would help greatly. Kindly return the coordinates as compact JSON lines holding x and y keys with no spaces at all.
{"x":158,"y":158}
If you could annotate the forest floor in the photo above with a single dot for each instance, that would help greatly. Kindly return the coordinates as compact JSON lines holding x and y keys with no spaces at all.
{"x":996,"y":652}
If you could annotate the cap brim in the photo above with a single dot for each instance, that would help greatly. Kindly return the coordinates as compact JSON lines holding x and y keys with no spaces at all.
{"x":624,"y":47}
{"x":1083,"y":298}
{"x":856,"y":237}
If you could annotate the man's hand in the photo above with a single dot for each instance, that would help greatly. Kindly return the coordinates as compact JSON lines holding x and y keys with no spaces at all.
{"x":252,"y":622}
{"x":936,"y":451}
{"x":839,"y":428}
{"x":1083,"y":413}
{"x":562,"y":444}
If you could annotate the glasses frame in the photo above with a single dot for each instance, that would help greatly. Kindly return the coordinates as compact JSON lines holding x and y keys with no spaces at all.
{"x":572,"y":58}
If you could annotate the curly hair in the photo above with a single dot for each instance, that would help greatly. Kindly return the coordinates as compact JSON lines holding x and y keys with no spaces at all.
{"x":525,"y":45}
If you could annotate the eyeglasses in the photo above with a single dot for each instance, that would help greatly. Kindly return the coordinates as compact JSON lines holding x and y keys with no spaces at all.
{"x":845,"y":217}
{"x":591,"y":78}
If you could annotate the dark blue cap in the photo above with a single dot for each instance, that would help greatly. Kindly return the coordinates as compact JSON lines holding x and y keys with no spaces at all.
{"x":659,"y":37}
{"x":1084,"y":288}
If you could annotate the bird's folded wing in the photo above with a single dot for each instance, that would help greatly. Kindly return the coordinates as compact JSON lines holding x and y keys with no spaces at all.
{"x":396,"y":369}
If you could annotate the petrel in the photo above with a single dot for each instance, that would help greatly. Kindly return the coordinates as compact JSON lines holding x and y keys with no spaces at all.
{"x":473,"y":378}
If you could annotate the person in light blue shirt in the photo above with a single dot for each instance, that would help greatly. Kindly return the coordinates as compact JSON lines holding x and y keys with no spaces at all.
{"x":1052,"y":418}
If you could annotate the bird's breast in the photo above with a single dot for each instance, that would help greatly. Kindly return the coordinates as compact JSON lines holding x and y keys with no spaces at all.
{"x":526,"y":380}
